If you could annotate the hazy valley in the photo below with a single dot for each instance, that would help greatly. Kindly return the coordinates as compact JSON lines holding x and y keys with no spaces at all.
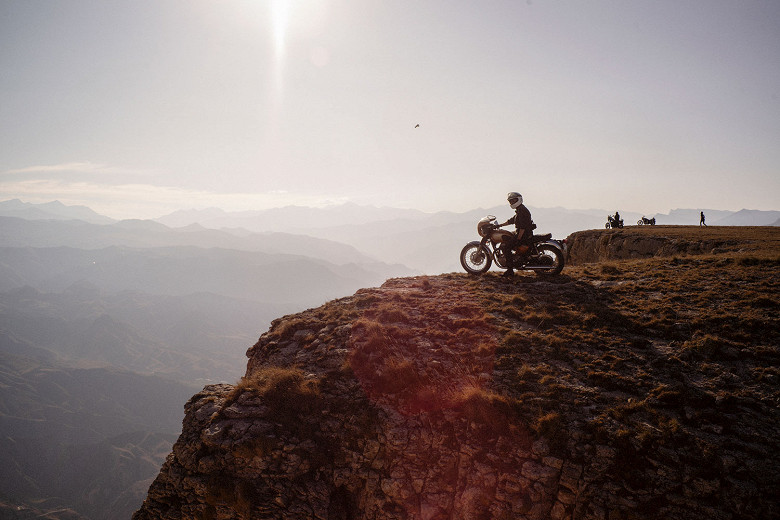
{"x":106,"y":328}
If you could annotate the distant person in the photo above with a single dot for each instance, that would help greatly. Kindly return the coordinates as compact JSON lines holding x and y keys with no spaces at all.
{"x":701,"y":220}
{"x":524,"y":227}
{"x":617,"y":218}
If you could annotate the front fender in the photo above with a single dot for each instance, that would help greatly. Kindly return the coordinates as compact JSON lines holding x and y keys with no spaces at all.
{"x":478,"y":243}
{"x":483,"y":242}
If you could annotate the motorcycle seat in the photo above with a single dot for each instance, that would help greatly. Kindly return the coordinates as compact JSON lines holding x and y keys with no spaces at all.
{"x":541,"y":238}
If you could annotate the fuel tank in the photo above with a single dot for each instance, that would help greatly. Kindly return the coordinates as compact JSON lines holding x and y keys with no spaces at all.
{"x":501,"y":235}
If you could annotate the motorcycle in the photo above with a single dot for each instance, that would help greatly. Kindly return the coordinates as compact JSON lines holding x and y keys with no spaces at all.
{"x":613,"y":223}
{"x":544,"y":255}
{"x":646,"y":221}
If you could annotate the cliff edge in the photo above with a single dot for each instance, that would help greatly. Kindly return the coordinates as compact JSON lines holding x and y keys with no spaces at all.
{"x":642,"y":388}
{"x":635,"y":242}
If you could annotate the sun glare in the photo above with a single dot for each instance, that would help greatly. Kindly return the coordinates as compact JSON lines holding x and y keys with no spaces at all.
{"x":280,"y":19}
{"x":289,"y":19}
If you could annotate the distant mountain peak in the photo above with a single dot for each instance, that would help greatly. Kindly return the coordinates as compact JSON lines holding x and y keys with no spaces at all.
{"x":54,"y":210}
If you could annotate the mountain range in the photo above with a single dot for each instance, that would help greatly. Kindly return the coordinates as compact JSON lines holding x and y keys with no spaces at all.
{"x":431,"y":242}
{"x":54,"y":210}
{"x":424,"y":242}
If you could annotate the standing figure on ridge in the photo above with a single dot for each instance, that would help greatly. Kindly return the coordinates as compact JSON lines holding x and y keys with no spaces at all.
{"x":524,"y":227}
{"x":701,"y":220}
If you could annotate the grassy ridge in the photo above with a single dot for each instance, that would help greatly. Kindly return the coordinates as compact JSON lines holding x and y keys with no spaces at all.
{"x":635,"y":242}
{"x":668,"y":364}
{"x":671,"y":362}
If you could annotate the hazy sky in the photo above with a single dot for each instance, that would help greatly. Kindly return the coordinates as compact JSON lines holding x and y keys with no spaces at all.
{"x":140,"y":107}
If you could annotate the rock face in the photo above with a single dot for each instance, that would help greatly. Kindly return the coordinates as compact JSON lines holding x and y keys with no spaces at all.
{"x":457,"y":397}
{"x":353,"y":431}
{"x":661,"y":241}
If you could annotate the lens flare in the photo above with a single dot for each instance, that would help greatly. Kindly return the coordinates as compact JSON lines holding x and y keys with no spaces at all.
{"x":280,"y":20}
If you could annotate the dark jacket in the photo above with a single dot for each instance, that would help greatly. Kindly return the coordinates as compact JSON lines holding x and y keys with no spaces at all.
{"x":522,"y":220}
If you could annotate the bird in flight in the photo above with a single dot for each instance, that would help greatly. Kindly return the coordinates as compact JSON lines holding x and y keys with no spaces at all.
{"x":417,"y":125}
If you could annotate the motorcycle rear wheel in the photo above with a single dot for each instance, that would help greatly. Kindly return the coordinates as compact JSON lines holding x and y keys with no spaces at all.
{"x":475,"y":258}
{"x":640,"y":222}
{"x":552,"y":256}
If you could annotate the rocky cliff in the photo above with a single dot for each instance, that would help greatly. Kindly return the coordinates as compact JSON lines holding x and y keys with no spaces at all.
{"x":662,"y":241}
{"x":634,"y":389}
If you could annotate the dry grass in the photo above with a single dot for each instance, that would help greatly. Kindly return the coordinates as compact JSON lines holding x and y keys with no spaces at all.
{"x":286,"y":392}
{"x":641,"y":342}
{"x":416,"y":349}
{"x":486,"y":407}
{"x":278,"y":381}
{"x":678,"y":352}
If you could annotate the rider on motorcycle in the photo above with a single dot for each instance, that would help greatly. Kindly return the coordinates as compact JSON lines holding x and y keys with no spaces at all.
{"x":524,"y":226}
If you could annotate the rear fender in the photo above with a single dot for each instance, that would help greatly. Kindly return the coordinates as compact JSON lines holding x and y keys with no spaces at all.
{"x":557,"y":245}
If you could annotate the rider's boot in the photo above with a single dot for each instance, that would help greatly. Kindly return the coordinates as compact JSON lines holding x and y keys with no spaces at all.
{"x":510,"y":261}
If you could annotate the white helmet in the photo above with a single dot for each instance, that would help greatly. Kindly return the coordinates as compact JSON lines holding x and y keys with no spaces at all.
{"x":514,"y":199}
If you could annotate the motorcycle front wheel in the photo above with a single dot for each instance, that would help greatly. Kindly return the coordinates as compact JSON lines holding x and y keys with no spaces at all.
{"x":607,"y":226}
{"x":551,"y":256}
{"x":640,"y":222}
{"x":475,"y":258}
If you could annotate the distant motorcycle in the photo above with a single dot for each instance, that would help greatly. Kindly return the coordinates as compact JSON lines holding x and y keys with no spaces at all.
{"x":646,"y":221}
{"x":612,"y":223}
{"x":545,"y":256}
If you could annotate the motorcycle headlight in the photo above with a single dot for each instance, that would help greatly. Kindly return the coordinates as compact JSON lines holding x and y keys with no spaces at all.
{"x":484,"y":225}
